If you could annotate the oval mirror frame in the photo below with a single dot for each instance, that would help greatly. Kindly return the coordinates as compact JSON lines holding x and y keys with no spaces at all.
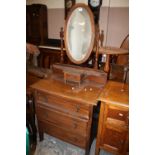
{"x":91,"y":39}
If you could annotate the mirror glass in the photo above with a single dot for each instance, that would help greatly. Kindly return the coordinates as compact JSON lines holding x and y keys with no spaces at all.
{"x":79,"y":35}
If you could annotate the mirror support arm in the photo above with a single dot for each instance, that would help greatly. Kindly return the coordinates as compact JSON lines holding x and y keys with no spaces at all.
{"x":101,"y":38}
{"x":62,"y":52}
{"x":106,"y":68}
{"x":97,"y":47}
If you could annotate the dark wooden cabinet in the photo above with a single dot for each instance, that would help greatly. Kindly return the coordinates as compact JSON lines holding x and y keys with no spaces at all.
{"x":113,"y":134}
{"x":36,"y":24}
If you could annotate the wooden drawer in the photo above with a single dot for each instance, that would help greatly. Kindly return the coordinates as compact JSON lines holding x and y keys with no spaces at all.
{"x":63,"y":134}
{"x":113,"y":141}
{"x":63,"y":104}
{"x":116,"y":113}
{"x":68,"y":122}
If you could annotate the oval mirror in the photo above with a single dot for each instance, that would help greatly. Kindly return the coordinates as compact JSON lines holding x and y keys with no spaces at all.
{"x":79,"y":33}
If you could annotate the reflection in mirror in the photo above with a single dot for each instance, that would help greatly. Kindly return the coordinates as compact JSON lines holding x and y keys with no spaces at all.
{"x":78,"y":29}
{"x":79,"y":35}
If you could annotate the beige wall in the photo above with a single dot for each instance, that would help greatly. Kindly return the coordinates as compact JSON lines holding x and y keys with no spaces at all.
{"x":115,"y":23}
{"x":114,"y":20}
{"x":55,"y":22}
{"x":60,"y":3}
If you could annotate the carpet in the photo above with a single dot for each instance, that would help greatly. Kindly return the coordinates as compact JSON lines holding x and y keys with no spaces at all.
{"x":53,"y":146}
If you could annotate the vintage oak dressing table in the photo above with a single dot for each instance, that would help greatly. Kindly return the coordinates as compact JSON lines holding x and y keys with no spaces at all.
{"x":64,"y":102}
{"x":65,"y":110}
{"x":113,"y":126}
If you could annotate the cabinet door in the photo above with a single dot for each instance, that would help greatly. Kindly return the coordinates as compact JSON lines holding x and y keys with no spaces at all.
{"x":36,"y":23}
{"x":113,"y":141}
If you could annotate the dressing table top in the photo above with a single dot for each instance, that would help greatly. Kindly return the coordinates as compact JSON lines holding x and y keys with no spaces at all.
{"x":113,"y":50}
{"x":87,"y":92}
{"x":116,"y":93}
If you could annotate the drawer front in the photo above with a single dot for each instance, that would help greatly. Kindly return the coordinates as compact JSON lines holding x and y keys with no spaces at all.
{"x":116,"y":113}
{"x":63,"y":134}
{"x":113,"y":141}
{"x":75,"y":125}
{"x":63,"y":104}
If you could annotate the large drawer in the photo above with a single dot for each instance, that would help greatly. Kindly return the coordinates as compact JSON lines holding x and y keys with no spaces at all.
{"x":63,"y":104}
{"x":118,"y":113}
{"x":63,"y":134}
{"x":68,"y":122}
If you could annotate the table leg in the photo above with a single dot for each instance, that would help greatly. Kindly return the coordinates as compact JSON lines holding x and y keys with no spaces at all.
{"x":107,"y":64}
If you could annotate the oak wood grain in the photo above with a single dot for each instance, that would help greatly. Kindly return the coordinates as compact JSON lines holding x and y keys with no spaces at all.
{"x":113,"y":129}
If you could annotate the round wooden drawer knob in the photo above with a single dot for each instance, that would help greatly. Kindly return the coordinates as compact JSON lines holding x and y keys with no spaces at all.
{"x":120,"y":114}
